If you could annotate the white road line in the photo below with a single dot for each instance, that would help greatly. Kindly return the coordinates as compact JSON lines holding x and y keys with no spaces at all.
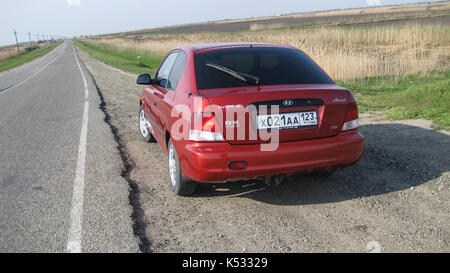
{"x":34,"y":75}
{"x":76,"y":213}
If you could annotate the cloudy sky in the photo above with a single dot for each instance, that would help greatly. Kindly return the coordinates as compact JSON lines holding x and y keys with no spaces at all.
{"x":85,"y":17}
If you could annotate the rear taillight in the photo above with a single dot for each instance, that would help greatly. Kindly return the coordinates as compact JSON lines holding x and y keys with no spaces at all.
{"x":204,"y":127}
{"x":351,"y":117}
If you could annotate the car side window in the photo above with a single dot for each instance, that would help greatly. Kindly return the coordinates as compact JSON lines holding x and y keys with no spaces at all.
{"x":177,"y":71}
{"x":164,"y":71}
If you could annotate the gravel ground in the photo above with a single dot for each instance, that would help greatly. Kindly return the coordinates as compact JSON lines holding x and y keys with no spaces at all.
{"x":396,"y":199}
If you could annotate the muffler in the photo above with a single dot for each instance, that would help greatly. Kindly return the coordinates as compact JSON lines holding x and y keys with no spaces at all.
{"x":274,"y":180}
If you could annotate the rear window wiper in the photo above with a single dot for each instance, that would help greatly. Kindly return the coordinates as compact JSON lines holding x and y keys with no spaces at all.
{"x":237,"y":75}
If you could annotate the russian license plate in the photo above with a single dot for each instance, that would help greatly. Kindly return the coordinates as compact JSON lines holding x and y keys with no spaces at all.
{"x":287,"y":120}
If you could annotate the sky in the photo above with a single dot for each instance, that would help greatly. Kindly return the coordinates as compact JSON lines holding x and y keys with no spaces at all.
{"x":89,"y":17}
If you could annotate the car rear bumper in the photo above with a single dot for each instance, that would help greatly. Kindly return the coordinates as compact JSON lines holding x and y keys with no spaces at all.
{"x":208,"y":162}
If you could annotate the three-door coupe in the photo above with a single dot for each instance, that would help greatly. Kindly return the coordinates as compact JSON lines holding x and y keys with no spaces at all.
{"x":239,"y":111}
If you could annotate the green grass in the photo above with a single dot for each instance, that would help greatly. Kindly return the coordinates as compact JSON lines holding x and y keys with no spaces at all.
{"x":407,"y":97}
{"x":26,"y":57}
{"x":131,"y":60}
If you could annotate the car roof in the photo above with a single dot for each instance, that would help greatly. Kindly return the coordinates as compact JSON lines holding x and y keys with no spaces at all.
{"x":198,"y":48}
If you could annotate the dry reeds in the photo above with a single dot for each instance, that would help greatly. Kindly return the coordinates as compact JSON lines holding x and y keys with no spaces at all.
{"x":9,"y":52}
{"x":346,"y":53}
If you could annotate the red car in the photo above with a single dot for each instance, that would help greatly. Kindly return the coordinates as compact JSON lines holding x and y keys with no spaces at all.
{"x":239,"y":111}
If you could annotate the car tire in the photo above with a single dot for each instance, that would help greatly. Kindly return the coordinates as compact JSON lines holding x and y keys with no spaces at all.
{"x":143,"y":127}
{"x":179,"y":184}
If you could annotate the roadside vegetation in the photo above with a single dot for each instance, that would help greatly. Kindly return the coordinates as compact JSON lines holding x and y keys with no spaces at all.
{"x":28,"y":54}
{"x":409,"y":97}
{"x":403,"y":71}
{"x":129,"y":60}
{"x":9,"y":52}
{"x":345,"y":53}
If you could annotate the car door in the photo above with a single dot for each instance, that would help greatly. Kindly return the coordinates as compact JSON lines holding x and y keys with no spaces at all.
{"x":168,"y":102}
{"x":157,"y":92}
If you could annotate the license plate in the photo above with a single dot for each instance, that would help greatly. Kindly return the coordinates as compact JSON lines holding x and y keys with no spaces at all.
{"x":287,"y":120}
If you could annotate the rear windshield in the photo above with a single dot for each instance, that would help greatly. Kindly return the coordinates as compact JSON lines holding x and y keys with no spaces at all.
{"x":271,"y":65}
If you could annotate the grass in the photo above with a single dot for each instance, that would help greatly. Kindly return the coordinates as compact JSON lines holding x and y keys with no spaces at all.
{"x":408,"y":97}
{"x":129,"y":60}
{"x":26,"y":57}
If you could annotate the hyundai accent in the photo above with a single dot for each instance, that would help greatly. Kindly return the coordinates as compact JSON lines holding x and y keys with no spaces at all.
{"x":240,"y":111}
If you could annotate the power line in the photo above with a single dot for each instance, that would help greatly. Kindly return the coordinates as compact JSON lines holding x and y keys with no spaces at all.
{"x":45,"y":37}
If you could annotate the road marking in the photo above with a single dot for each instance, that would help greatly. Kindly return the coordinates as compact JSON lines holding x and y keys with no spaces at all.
{"x":76,"y":213}
{"x":34,"y":75}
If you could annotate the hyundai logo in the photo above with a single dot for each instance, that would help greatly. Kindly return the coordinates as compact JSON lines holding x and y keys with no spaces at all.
{"x":288,"y":102}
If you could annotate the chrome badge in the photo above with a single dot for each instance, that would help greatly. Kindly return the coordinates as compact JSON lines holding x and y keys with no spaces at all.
{"x":338,"y":100}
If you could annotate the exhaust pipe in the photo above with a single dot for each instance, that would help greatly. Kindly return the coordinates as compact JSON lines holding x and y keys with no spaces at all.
{"x":274,"y":180}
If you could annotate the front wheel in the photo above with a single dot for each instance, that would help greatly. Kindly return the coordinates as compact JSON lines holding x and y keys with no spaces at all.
{"x":179,"y":184}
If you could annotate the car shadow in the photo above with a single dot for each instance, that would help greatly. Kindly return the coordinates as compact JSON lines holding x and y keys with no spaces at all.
{"x":396,"y":157}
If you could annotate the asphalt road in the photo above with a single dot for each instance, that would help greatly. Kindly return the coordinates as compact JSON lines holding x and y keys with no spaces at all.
{"x":41,"y":164}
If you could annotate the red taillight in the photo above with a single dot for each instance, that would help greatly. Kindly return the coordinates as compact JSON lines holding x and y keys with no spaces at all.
{"x":352,"y":112}
{"x":204,"y":127}
{"x":209,"y":123}
{"x":351,"y":117}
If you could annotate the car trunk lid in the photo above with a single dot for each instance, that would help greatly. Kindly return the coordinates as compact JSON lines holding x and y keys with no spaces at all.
{"x":236,"y":110}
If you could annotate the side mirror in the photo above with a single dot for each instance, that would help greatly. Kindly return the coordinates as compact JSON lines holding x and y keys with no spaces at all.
{"x":144,"y":79}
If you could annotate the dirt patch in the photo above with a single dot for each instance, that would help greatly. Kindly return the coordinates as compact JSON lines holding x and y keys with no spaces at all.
{"x":397,"y":195}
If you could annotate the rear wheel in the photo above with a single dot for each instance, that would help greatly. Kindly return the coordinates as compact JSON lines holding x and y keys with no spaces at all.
{"x":145,"y":127}
{"x":179,"y":184}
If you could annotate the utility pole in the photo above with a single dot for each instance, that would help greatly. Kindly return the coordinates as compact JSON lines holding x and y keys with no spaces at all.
{"x":17,"y":42}
{"x":37,"y":41}
{"x":29,"y":36}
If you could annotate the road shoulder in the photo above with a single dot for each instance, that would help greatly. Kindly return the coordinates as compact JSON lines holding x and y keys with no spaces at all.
{"x":107,"y":215}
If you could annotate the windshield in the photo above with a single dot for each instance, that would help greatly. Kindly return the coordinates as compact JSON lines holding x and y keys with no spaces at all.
{"x":270,"y":65}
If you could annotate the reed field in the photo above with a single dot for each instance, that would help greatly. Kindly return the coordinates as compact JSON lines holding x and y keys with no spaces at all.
{"x":345,"y":53}
{"x":9,"y":52}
